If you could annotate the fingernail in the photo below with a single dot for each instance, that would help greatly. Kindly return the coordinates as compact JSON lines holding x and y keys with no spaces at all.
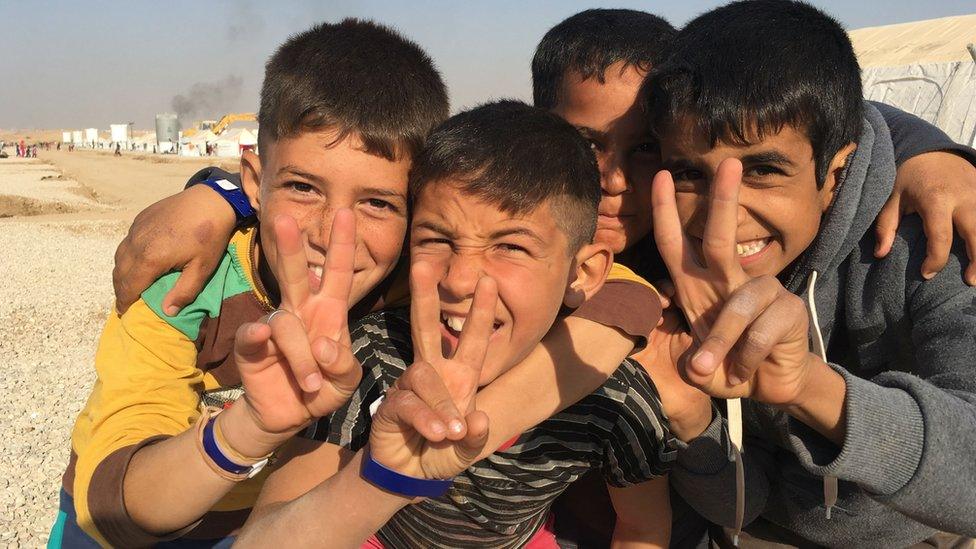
{"x":313,"y":382}
{"x":704,"y":361}
{"x":456,"y":426}
{"x":927,"y":275}
{"x":734,"y":380}
{"x":172,"y":310}
{"x":438,"y":427}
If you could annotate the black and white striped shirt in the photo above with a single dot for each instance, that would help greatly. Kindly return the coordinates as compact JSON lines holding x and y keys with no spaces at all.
{"x":503,"y":499}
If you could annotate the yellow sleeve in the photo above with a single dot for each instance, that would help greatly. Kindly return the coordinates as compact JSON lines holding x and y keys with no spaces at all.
{"x":148,"y":387}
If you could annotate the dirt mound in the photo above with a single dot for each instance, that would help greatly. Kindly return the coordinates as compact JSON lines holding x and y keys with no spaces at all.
{"x":17,"y":206}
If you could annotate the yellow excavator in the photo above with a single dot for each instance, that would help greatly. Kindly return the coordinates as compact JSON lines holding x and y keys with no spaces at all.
{"x":222,"y":124}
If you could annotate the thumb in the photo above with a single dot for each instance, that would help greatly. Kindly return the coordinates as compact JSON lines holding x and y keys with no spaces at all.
{"x":188,"y":286}
{"x":886,"y":225}
{"x":253,"y":347}
{"x":470,"y":447}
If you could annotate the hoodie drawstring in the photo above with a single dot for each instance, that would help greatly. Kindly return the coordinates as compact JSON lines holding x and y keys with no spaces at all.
{"x":829,"y":482}
{"x":733,"y":410}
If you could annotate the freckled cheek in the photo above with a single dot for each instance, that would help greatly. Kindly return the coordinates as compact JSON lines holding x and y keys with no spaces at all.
{"x":381,"y":240}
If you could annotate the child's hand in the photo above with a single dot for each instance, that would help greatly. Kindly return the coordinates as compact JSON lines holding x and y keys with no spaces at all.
{"x":941,"y":187}
{"x":756,"y":321}
{"x":429,"y":426}
{"x":296,"y":365}
{"x":186,"y":232}
{"x":699,"y":290}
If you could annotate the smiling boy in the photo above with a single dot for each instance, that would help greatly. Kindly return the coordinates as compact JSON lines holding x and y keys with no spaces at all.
{"x":344,"y":107}
{"x":777,"y":171}
{"x":508,"y":192}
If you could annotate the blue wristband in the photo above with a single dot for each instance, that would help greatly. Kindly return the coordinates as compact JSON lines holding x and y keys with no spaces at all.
{"x":216,"y":455}
{"x":388,"y":479}
{"x":233,"y":195}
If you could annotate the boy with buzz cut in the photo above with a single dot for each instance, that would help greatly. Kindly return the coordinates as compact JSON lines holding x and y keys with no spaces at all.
{"x":507,"y":192}
{"x":859,"y":429}
{"x":344,"y":107}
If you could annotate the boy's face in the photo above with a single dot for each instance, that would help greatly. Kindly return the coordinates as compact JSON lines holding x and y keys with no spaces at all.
{"x":464,"y":239}
{"x":609,"y":116}
{"x":309,"y":177}
{"x":780,"y":206}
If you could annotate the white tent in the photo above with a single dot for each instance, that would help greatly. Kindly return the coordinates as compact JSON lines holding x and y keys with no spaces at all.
{"x":235,"y":140}
{"x":927,"y":68}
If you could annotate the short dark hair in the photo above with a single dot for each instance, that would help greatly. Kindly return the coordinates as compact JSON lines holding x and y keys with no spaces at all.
{"x":591,"y":41}
{"x":515,"y":157}
{"x":353,"y":76}
{"x":758,"y":65}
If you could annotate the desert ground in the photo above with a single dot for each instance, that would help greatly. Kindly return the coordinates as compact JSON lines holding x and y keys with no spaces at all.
{"x":61,"y":218}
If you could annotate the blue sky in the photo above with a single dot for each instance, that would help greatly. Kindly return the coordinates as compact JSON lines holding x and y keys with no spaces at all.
{"x":89,"y":64}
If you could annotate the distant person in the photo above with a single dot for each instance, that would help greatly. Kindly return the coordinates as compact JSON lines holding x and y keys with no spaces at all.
{"x":118,"y":149}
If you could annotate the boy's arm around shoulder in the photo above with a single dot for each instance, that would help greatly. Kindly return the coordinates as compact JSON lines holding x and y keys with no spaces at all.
{"x":910,"y":430}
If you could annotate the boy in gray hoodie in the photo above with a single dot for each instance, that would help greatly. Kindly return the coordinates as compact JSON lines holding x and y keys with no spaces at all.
{"x":867,"y":385}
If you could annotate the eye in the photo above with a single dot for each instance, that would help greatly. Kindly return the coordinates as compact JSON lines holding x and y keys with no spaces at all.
{"x":513,"y":248}
{"x":763,"y":171}
{"x":300,"y":187}
{"x":381,"y":204}
{"x":434,"y":242}
{"x":648,"y":147}
{"x":686,"y":175}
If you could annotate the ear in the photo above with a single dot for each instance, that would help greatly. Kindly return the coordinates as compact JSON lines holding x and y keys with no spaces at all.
{"x":591,"y":265}
{"x":837,"y":165}
{"x":251,"y":178}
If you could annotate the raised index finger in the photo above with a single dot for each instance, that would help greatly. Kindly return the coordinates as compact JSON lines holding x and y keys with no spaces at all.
{"x":719,"y":238}
{"x":337,"y":275}
{"x":291,"y":268}
{"x":668,"y":235}
{"x":478,"y":326}
{"x":425,"y":313}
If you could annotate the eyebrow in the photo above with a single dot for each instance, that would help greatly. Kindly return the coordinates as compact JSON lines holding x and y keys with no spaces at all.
{"x":767,"y":157}
{"x":518,"y":231}
{"x":368,"y":190}
{"x":289,"y":169}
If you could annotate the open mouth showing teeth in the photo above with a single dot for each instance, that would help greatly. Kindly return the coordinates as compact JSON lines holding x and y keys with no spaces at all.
{"x":752,"y":247}
{"x":455,"y":324}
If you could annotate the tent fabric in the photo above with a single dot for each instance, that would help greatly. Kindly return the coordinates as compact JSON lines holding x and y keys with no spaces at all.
{"x":925,"y":68}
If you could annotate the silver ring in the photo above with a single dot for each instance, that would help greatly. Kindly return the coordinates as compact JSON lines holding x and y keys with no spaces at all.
{"x":273,"y":313}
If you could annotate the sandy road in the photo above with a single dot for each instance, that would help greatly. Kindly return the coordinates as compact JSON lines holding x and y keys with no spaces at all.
{"x":55,"y":292}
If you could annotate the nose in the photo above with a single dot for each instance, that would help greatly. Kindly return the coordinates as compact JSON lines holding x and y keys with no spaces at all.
{"x":463,"y":272}
{"x":319,"y":227}
{"x":613,"y":179}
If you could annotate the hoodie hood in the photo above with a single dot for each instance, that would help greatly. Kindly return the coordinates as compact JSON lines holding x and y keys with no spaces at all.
{"x":862,"y":191}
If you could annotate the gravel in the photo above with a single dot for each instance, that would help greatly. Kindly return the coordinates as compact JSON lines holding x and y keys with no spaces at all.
{"x":55,"y":292}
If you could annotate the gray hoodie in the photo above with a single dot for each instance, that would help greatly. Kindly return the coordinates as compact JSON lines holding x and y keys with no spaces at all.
{"x":906,"y":348}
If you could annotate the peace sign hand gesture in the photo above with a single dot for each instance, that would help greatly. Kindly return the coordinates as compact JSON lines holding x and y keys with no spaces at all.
{"x":751,"y":332}
{"x":296,"y":364}
{"x":428,"y":425}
